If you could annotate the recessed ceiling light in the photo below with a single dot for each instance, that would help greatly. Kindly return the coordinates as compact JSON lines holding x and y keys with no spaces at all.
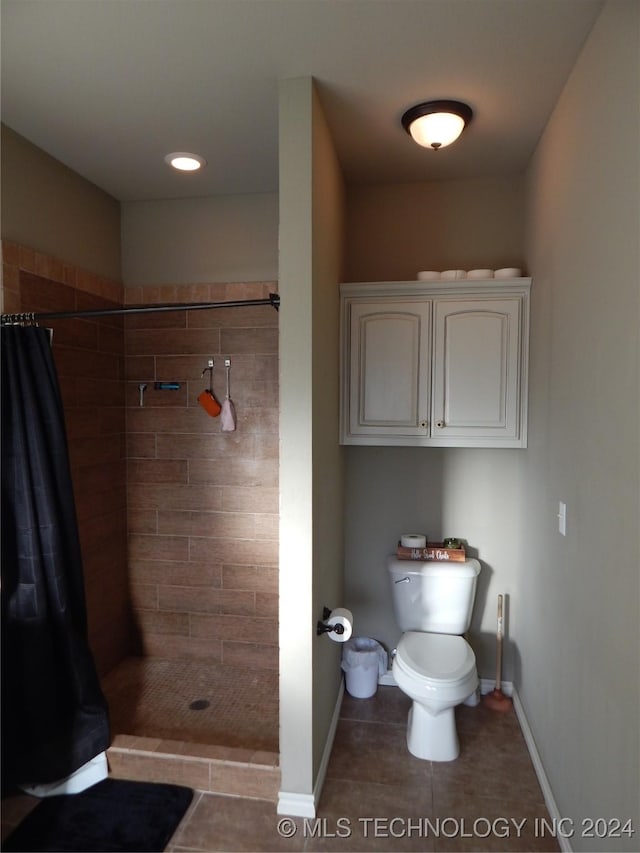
{"x":184,"y":161}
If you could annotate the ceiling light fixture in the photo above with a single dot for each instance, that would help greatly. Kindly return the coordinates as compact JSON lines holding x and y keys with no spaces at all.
{"x":435,"y":124}
{"x":185,"y":162}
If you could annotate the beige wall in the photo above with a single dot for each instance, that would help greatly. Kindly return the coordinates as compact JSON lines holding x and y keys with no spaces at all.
{"x":222,"y":238}
{"x":55,"y":211}
{"x":395,"y":230}
{"x":310,"y":459}
{"x":471,"y":493}
{"x":577,"y":608}
{"x":328,"y":457}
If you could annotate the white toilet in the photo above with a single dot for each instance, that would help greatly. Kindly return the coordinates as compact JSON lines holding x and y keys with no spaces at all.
{"x":434,"y":665}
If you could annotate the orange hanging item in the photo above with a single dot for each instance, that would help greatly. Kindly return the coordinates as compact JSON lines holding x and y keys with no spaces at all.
{"x":207,"y":398}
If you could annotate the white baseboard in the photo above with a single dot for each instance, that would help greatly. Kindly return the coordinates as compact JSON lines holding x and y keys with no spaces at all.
{"x":547,"y":793}
{"x":296,"y":805}
{"x":305,"y":805}
{"x":488,"y":684}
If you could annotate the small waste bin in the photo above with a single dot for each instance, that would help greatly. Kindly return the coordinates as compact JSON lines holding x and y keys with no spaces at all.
{"x":363,"y":660}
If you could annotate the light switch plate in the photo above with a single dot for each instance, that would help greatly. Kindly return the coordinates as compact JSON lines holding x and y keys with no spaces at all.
{"x":562,"y":518}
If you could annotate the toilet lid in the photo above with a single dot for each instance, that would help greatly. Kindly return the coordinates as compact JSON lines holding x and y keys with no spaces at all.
{"x":442,"y":657}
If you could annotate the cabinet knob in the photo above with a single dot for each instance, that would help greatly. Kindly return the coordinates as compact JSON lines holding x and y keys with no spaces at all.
{"x":440,"y":424}
{"x":424,"y":424}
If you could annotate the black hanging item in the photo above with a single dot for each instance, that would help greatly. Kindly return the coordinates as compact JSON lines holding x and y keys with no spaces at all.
{"x":54,"y":715}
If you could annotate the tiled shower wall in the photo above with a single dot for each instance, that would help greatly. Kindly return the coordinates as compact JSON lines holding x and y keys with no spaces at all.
{"x":202,"y":503}
{"x":89,"y":357}
{"x":201,"y":569}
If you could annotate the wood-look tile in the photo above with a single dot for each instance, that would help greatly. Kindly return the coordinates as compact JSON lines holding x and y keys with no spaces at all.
{"x":229,"y":525}
{"x":181,"y":648}
{"x":11,"y":301}
{"x":192,"y":772}
{"x":178,"y":496}
{"x":249,"y":499}
{"x":143,"y":596}
{"x":256,"y":655}
{"x":10,"y":252}
{"x":235,"y":471}
{"x":143,"y":547}
{"x":171,"y":341}
{"x":103,"y":391}
{"x":102,"y":532}
{"x":237,"y":551}
{"x":175,"y":572}
{"x":203,"y":600}
{"x":235,"y":628}
{"x":141,"y":445}
{"x":155,"y":320}
{"x":161,"y":622}
{"x":234,"y":340}
{"x":139,"y":368}
{"x":143,"y":521}
{"x":157,"y":471}
{"x":110,"y":339}
{"x":198,"y":447}
{"x":173,"y":420}
{"x":255,"y":578}
{"x":41,"y":294}
{"x":267,"y":605}
{"x":95,"y":449}
{"x":259,"y":783}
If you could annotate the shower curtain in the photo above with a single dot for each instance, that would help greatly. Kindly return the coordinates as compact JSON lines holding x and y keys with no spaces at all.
{"x":54,"y":715}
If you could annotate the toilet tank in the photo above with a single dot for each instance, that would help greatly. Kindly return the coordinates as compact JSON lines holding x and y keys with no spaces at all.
{"x":435,"y":596}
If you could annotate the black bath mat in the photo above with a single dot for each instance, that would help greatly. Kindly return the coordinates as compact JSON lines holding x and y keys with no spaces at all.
{"x":113,"y":815}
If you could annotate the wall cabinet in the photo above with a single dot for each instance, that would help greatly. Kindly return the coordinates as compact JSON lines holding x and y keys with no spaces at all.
{"x":435,"y":364}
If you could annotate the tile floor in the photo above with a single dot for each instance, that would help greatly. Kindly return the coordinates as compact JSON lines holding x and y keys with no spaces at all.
{"x":378,"y":797}
{"x":194,"y":700}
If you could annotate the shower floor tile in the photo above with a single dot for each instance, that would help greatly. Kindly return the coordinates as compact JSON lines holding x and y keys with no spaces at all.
{"x":193,"y":701}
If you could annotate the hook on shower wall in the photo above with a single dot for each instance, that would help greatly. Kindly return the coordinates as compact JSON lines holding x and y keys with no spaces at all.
{"x":207,"y":398}
{"x":228,"y":415}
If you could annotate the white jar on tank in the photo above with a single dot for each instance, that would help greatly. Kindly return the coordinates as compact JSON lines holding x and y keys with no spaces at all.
{"x":434,"y":665}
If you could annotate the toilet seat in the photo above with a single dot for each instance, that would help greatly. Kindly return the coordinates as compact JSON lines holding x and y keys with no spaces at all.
{"x":440,"y":659}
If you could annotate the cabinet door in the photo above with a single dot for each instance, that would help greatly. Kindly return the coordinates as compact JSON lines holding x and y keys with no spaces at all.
{"x":389,"y":370}
{"x":476,"y":371}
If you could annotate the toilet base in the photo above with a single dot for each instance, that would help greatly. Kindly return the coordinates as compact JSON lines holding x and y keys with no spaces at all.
{"x":432,"y":737}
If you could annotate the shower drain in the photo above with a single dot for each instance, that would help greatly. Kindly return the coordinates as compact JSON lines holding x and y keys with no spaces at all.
{"x":199,"y":705}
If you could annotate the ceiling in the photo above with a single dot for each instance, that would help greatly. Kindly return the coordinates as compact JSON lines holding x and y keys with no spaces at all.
{"x":109,"y":87}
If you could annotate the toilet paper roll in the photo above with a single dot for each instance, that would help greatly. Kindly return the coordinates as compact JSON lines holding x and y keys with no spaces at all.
{"x":344,"y":617}
{"x":413,"y":540}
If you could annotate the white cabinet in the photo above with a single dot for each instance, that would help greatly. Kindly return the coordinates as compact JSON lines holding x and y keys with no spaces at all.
{"x":437,"y":364}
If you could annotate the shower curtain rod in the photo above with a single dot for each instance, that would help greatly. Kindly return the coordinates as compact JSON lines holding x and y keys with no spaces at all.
{"x":31,"y":317}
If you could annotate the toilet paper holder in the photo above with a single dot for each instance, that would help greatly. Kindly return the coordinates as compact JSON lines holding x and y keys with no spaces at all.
{"x":324,"y":628}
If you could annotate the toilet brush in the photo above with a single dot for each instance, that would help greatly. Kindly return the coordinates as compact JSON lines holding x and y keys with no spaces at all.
{"x":496,"y":700}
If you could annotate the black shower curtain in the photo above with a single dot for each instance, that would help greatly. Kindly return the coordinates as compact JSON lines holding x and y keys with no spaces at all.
{"x":54,"y":715}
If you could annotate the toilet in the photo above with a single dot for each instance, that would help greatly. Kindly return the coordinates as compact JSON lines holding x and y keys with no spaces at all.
{"x":434,"y":665}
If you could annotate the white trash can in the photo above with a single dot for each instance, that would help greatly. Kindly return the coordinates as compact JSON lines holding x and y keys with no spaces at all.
{"x":363,"y":661}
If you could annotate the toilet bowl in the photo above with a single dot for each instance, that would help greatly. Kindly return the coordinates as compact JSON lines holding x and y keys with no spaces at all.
{"x":434,"y":665}
{"x":438,"y":672}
